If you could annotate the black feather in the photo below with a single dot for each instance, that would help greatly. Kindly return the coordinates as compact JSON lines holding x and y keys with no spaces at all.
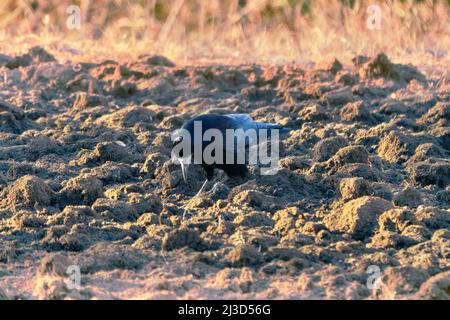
{"x":222,"y":123}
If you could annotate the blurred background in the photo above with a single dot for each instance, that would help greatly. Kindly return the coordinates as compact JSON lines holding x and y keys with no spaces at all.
{"x":231,"y":30}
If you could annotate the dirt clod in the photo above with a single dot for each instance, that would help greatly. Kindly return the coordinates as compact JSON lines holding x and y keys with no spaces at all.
{"x":86,"y":179}
{"x":82,"y":190}
{"x":184,"y":238}
{"x":351,"y":188}
{"x":358,"y":217}
{"x":28,"y":190}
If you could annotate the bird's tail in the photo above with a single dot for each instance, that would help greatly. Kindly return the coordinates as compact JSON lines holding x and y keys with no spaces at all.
{"x":273,"y":126}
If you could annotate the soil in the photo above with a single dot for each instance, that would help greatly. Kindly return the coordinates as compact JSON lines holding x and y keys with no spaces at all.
{"x":86,"y":180}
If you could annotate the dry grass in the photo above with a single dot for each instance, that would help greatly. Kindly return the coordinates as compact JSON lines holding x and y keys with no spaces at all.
{"x":232,"y":30}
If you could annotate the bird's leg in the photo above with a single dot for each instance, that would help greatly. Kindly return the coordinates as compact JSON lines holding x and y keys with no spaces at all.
{"x":196,"y":195}
{"x":214,"y":187}
{"x":201,"y":189}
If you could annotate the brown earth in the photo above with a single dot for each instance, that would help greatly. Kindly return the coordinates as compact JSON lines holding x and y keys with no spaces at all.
{"x":86,"y":180}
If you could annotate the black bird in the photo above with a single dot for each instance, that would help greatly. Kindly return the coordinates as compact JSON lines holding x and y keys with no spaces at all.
{"x":230,"y":150}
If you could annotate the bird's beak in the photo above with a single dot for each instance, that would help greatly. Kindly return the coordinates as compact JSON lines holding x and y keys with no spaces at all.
{"x":184,"y":169}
